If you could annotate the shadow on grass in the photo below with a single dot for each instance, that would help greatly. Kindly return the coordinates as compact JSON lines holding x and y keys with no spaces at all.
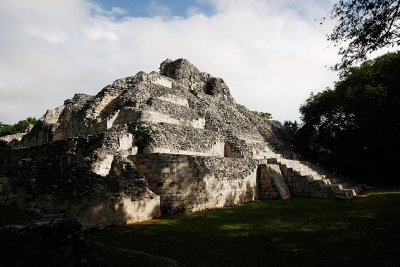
{"x":116,"y":256}
{"x":295,"y":232}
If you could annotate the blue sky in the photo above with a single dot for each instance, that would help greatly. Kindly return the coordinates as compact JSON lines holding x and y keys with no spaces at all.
{"x":143,"y":8}
{"x":271,"y":53}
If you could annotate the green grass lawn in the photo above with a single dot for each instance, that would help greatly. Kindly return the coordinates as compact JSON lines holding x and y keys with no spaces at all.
{"x":296,"y":232}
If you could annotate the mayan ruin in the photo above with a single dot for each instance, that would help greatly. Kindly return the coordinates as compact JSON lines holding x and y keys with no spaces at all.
{"x":164,"y":142}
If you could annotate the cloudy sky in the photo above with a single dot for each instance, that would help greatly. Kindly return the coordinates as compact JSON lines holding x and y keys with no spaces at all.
{"x":271,"y":53}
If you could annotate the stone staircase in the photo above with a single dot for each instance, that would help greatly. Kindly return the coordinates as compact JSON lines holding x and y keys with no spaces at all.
{"x":108,"y":103}
{"x":309,"y":180}
{"x":109,"y":109}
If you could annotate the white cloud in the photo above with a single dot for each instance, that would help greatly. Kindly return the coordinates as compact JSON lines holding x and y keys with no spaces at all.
{"x":270,"y":53}
{"x":193,"y":10}
{"x":157,"y":9}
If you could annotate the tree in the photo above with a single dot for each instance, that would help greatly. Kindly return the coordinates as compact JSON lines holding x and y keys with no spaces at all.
{"x":292,"y":126}
{"x":356,"y":126}
{"x":263,"y":114}
{"x":19,"y":127}
{"x":364,"y":26}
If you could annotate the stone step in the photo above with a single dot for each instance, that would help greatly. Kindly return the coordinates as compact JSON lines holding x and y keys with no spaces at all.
{"x":306,"y":167}
{"x":319,"y":177}
{"x":313,"y":176}
{"x":357,"y":187}
{"x":323,"y":182}
{"x":347,"y":192}
{"x":341,"y":187}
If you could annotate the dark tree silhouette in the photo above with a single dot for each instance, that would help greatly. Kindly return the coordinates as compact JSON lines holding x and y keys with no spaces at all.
{"x":355,"y":127}
{"x":364,"y":26}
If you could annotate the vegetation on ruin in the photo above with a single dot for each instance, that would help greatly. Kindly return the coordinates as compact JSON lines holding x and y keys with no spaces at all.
{"x":294,"y":232}
{"x":19,"y":127}
{"x":263,"y":114}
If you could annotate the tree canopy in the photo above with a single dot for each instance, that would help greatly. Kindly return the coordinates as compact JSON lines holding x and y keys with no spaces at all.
{"x":356,"y":126}
{"x":364,"y":26}
{"x":19,"y":127}
{"x":292,"y":126}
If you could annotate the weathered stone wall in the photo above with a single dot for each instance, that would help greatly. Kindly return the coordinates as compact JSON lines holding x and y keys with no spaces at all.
{"x":178,"y":139}
{"x":98,"y":212}
{"x":182,"y":186}
{"x":90,"y":211}
{"x":82,"y":176}
{"x":154,"y":117}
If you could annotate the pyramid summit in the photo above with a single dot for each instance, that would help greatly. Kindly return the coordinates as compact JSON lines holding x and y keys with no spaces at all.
{"x":167,"y":141}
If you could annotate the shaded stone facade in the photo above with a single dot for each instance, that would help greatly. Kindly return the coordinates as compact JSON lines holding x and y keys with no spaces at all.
{"x":171,"y":141}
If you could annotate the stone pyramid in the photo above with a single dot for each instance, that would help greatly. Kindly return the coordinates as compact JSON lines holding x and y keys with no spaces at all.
{"x":167,"y":141}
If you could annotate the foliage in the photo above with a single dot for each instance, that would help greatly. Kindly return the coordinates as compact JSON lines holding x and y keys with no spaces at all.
{"x":294,"y":232}
{"x":356,"y":125}
{"x":292,"y":126}
{"x":263,"y":114}
{"x":364,"y":26}
{"x":19,"y":127}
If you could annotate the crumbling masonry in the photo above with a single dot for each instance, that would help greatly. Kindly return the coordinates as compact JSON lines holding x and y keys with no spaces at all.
{"x":173,"y":141}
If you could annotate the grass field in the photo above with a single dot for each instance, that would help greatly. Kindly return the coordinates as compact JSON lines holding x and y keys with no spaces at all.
{"x":296,"y":232}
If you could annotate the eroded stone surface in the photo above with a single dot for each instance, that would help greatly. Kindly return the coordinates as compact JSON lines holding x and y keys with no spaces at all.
{"x":174,"y":139}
